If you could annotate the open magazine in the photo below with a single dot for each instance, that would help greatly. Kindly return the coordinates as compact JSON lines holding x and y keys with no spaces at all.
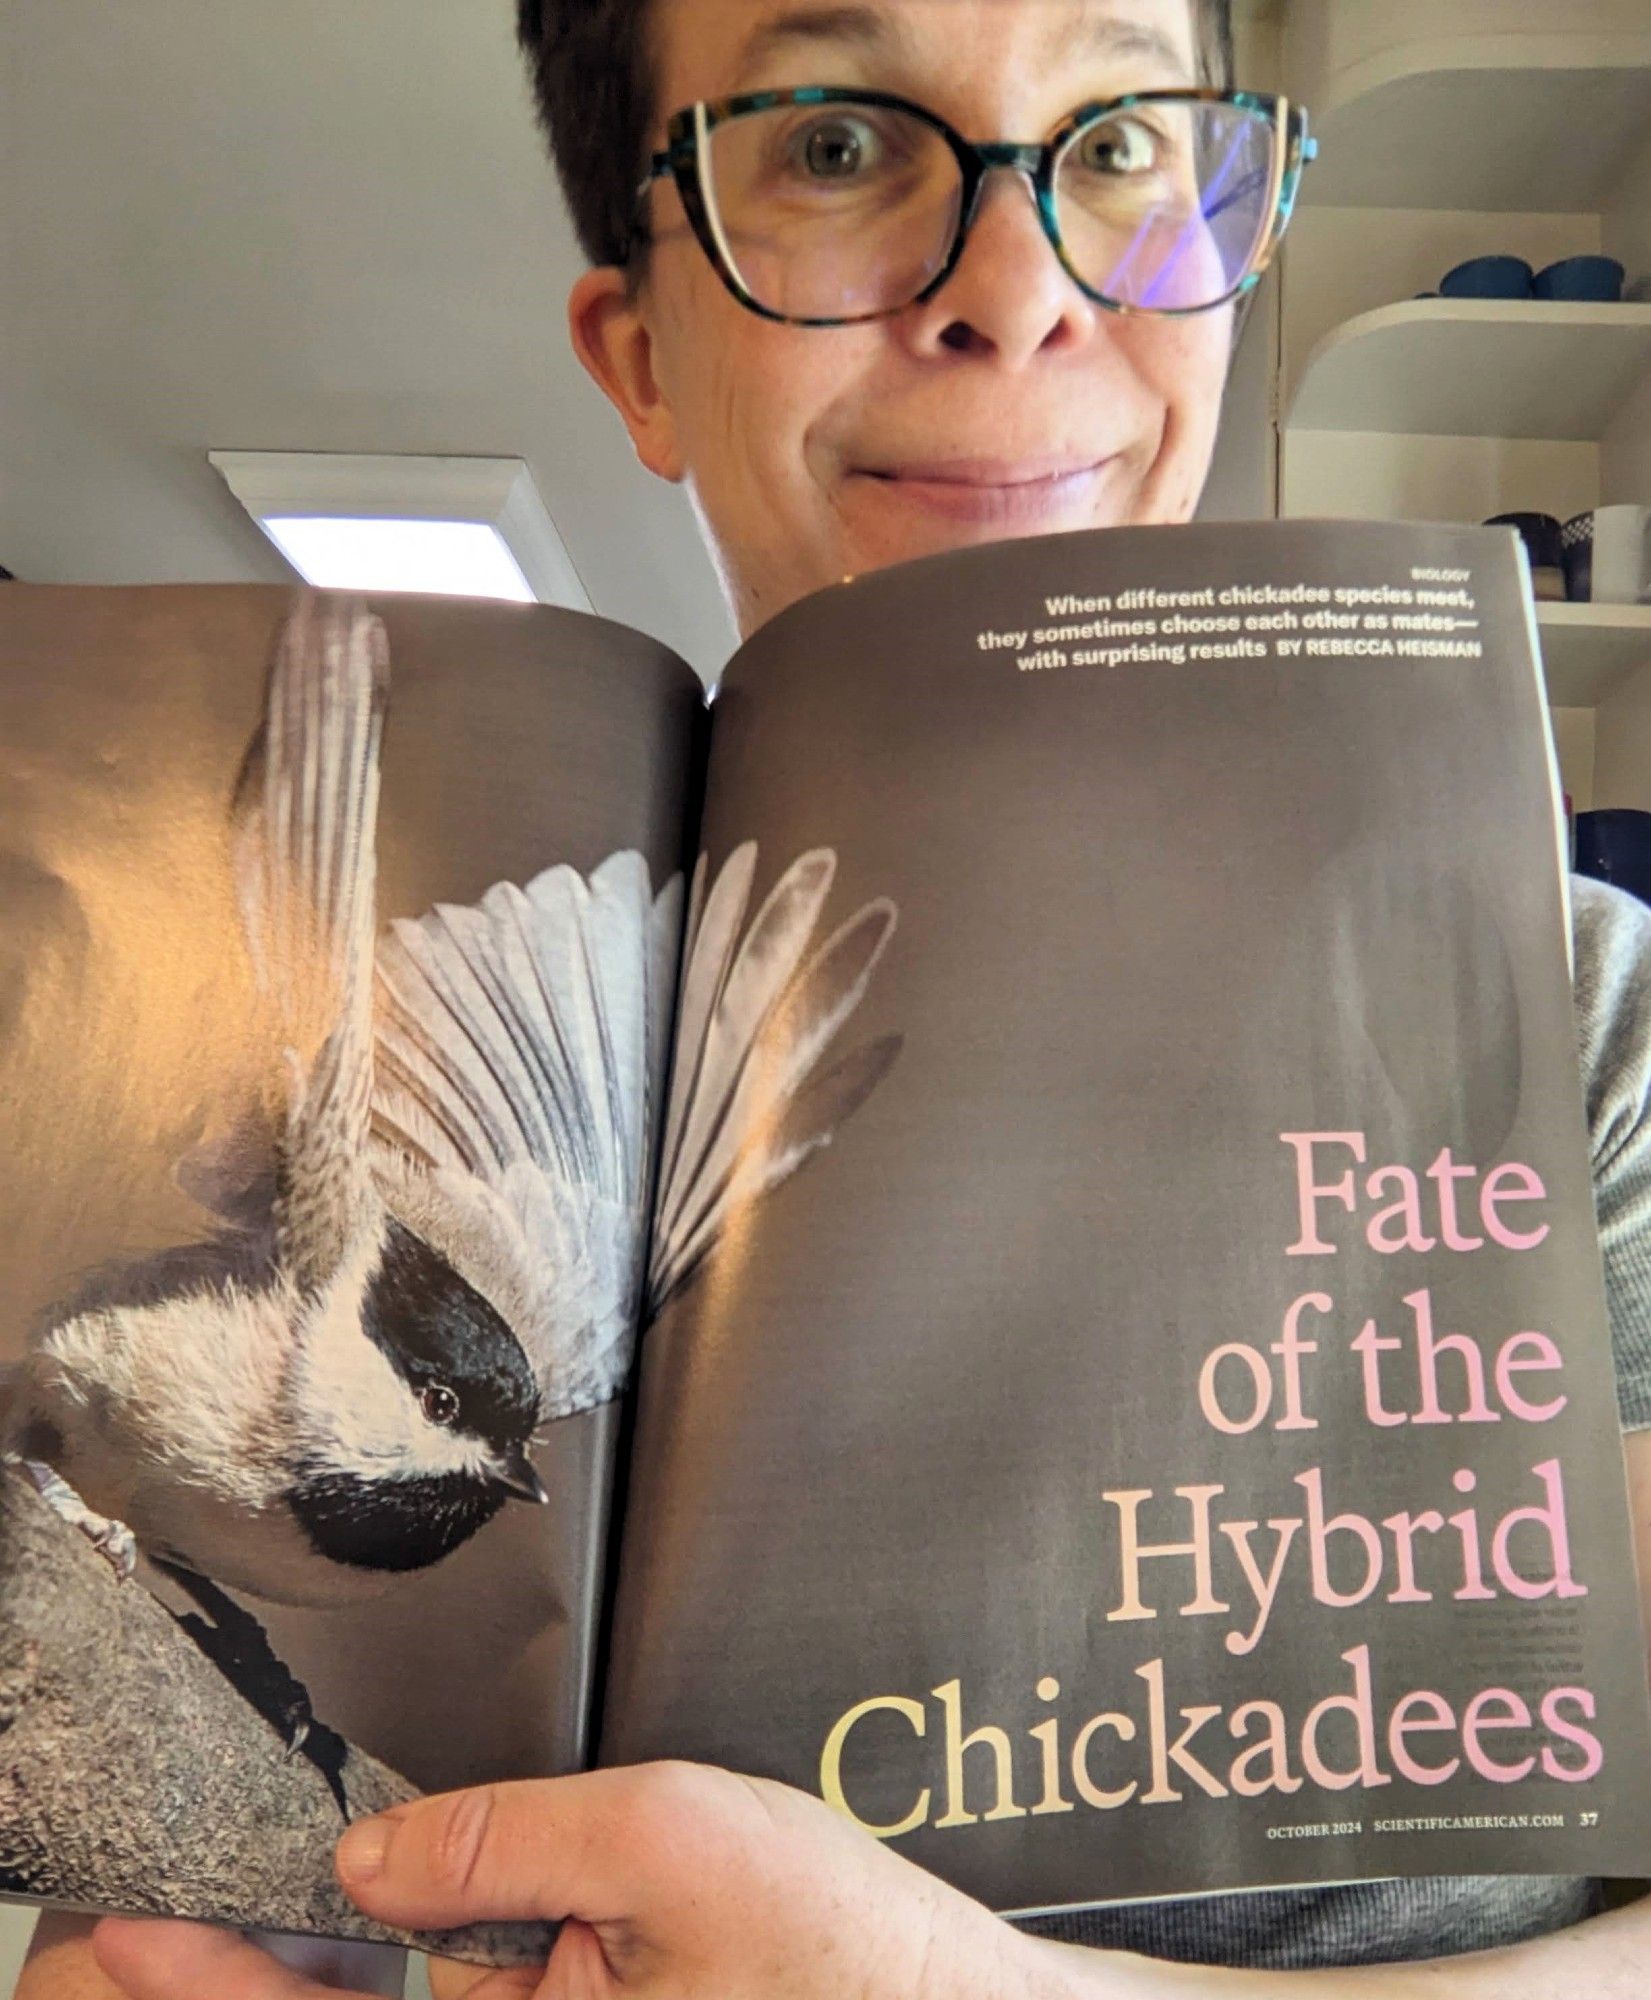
{"x":996,"y":1225}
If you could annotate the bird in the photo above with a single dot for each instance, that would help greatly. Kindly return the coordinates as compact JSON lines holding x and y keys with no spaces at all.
{"x":438,"y":1225}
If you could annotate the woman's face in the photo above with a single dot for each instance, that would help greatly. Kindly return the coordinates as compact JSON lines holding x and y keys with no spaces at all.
{"x":780,"y":432}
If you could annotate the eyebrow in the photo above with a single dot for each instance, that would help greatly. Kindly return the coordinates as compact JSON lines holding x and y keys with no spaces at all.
{"x":878,"y":33}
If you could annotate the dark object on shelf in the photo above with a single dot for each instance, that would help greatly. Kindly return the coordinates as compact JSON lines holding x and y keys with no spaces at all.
{"x":6,"y":575}
{"x":1579,"y":278}
{"x":1487,"y":278}
{"x":1577,"y":554}
{"x":1541,"y":535}
{"x":1614,"y":845}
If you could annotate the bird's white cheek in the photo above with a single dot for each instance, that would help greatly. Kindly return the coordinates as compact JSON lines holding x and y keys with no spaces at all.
{"x":354,"y":1412}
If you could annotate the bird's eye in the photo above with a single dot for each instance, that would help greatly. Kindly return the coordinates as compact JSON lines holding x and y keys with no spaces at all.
{"x":438,"y":1403}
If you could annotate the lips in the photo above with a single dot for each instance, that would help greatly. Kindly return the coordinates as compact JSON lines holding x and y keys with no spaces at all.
{"x":993,"y":496}
{"x":986,"y":472}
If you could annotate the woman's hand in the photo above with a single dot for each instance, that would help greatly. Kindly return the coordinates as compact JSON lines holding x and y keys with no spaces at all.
{"x":676,"y":1882}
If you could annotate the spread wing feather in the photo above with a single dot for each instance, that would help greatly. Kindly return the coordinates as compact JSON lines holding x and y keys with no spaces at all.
{"x":305,"y":876}
{"x":747,"y":1107}
{"x":776,"y":1146}
{"x":518,"y":1043}
{"x":704,"y":970}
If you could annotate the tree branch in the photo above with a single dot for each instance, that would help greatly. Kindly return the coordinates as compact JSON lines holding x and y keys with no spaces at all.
{"x":134,"y":1777}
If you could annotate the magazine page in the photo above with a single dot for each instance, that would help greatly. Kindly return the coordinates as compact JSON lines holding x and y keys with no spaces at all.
{"x":1165,"y":1441}
{"x":338,"y":952}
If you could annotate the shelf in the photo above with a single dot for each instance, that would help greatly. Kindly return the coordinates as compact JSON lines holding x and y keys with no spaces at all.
{"x":1540,"y":123}
{"x":1589,"y":649}
{"x":1529,"y":368}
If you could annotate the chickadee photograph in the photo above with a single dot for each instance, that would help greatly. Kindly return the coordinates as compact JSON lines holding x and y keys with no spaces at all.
{"x":277,"y":1487}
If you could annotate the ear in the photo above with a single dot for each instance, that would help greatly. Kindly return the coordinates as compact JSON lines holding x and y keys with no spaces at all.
{"x":615,"y":344}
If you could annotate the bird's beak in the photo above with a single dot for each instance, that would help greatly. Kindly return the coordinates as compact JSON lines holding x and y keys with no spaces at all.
{"x":517,"y":1476}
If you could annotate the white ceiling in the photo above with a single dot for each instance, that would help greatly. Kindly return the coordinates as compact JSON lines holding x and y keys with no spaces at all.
{"x":293,"y":225}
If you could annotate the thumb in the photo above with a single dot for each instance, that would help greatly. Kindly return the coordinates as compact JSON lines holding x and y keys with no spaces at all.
{"x":543,"y":1848}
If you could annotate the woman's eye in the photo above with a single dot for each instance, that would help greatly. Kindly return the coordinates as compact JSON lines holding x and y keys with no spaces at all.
{"x":1120,"y":145}
{"x":439,"y":1403}
{"x":835,"y":149}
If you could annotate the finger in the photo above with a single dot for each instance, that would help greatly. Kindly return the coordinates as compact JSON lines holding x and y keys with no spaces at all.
{"x":451,"y":1979}
{"x":346,"y":1963}
{"x":544,"y":1848}
{"x":166,"y":1958}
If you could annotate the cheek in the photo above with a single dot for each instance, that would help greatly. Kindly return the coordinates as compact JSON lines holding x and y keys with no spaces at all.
{"x":1182,"y":365}
{"x":756,"y":395}
{"x":1180,"y":372}
{"x":1197,"y":352}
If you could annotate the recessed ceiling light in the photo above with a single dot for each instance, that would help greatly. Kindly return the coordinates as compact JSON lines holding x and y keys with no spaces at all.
{"x":461,"y":558}
{"x":474,"y":527}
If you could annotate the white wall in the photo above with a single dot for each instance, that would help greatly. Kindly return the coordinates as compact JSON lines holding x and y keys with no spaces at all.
{"x":1625,"y":449}
{"x":1326,"y":35}
{"x":298,"y":226}
{"x":318,"y":226}
{"x":1574,"y":735}
{"x":1242,"y":479}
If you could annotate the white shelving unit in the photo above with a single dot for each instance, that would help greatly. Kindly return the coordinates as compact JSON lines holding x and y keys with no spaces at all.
{"x":1450,"y":129}
{"x":1538,"y":120}
{"x":1512,"y":368}
{"x":1591,"y":651}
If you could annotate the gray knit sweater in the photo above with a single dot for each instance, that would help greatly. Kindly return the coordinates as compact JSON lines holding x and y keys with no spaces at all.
{"x":1434,"y":1915}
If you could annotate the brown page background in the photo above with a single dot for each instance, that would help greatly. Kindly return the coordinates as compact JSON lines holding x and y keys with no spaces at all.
{"x":1150,"y":917}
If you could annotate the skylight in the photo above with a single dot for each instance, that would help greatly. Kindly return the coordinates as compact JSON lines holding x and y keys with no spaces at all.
{"x":472,"y":527}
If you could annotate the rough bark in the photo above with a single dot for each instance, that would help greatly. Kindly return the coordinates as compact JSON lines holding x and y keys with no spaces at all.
{"x":134,"y":1777}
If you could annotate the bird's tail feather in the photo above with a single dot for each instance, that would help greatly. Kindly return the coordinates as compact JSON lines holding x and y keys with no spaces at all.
{"x":306,"y":875}
{"x":727,"y":995}
{"x":306,"y":862}
{"x":746,"y":1108}
{"x":708,"y":946}
{"x":775,"y":1150}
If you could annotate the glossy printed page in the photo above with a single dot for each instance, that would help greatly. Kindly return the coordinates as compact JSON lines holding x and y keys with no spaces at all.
{"x":339,"y":951}
{"x":1165,"y":1441}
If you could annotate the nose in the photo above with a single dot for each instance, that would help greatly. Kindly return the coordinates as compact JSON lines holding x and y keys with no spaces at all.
{"x":1008,"y":290}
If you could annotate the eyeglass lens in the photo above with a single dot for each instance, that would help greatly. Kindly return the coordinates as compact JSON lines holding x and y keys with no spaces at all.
{"x":846,"y":210}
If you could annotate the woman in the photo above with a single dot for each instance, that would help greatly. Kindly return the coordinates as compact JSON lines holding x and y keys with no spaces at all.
{"x":1013,"y":399}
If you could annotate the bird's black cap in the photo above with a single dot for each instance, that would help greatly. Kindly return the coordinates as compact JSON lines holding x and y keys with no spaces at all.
{"x":436,"y":1327}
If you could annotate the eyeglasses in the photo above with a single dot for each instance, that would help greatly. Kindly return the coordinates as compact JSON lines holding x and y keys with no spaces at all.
{"x":825,"y":206}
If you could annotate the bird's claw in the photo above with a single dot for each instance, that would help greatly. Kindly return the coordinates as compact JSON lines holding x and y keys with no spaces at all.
{"x":118,"y":1545}
{"x":112,"y":1539}
{"x":232,"y":1638}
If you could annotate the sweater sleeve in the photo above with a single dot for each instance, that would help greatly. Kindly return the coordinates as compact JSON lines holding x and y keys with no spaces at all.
{"x":1612,"y":935}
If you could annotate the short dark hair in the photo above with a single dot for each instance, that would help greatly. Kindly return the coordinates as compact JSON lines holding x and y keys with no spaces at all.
{"x":595,"y":79}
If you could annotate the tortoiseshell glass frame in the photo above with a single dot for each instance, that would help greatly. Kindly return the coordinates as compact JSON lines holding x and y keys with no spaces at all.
{"x":689,"y":127}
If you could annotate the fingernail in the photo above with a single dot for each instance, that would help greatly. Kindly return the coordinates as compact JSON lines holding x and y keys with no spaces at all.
{"x":361,"y":1849}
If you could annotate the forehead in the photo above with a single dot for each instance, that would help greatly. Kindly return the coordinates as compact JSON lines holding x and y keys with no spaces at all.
{"x":1064,"y":49}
